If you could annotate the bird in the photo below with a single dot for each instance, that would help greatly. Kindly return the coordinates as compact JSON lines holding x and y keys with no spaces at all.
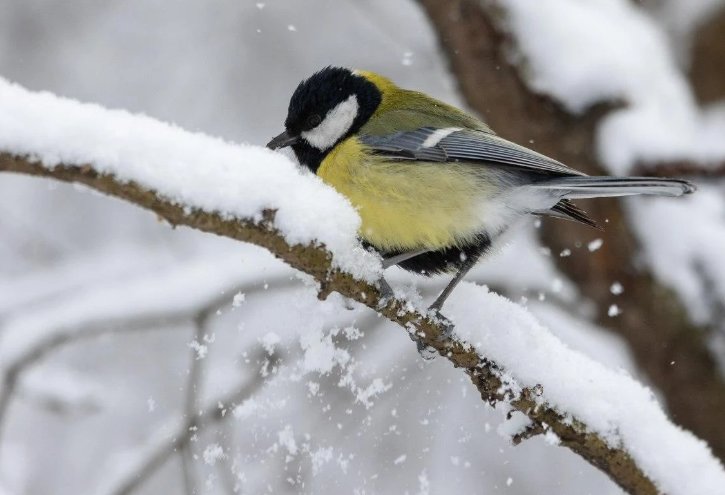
{"x":434,"y":186}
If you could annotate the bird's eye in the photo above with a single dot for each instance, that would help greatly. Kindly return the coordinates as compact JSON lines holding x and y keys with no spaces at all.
{"x":314,"y":120}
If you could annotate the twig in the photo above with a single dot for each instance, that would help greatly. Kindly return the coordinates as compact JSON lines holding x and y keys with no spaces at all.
{"x":13,"y":371}
{"x":191,"y":404}
{"x":182,"y":435}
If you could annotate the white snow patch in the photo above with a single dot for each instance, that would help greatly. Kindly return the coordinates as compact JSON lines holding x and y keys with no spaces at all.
{"x":238,"y":299}
{"x":190,"y":169}
{"x":213,"y":453}
{"x":199,"y":348}
{"x":677,"y":461}
{"x":376,"y":387}
{"x":423,"y":484}
{"x":516,"y":424}
{"x":683,"y":243}
{"x":595,"y":245}
{"x":246,"y":408}
{"x":321,"y":354}
{"x":269,"y":341}
{"x":286,"y":439}
{"x":320,"y":457}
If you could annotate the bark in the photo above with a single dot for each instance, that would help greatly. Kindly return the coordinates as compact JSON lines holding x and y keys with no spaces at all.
{"x":316,"y":261}
{"x":666,"y":345}
{"x":707,"y":70}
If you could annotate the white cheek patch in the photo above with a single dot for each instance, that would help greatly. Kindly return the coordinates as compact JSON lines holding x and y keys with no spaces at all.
{"x":438,"y":135}
{"x":337,"y":122}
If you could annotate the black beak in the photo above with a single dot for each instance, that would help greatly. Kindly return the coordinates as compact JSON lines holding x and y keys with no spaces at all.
{"x":281,"y":141}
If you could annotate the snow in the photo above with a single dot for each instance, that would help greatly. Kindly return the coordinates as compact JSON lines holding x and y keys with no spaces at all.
{"x":595,"y":245}
{"x":269,"y":341}
{"x":633,"y":63}
{"x":683,"y":242}
{"x":577,"y":385}
{"x":190,"y":169}
{"x":320,"y":353}
{"x":172,"y":291}
{"x":613,"y":311}
{"x":286,"y":438}
{"x":213,"y":453}
{"x":240,"y":181}
{"x":199,"y":349}
{"x":320,"y":457}
{"x":115,"y":263}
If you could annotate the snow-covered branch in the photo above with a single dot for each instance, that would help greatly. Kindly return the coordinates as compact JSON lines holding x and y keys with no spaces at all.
{"x":252,"y":195}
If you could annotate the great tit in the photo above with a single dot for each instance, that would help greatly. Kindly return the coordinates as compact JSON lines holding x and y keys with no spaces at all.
{"x":433,"y":185}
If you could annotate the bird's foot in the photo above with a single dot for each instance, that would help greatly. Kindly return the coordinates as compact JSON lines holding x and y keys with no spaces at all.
{"x":386,"y":293}
{"x":427,"y":352}
{"x":435,"y":314}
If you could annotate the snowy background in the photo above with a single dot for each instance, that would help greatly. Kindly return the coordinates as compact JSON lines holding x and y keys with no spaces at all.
{"x":156,"y":323}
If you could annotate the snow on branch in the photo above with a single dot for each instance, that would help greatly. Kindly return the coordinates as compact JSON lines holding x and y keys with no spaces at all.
{"x":250,"y":194}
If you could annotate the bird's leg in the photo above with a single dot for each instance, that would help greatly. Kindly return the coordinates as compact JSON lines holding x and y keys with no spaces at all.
{"x":386,"y":292}
{"x":399,"y":258}
{"x":438,"y":303}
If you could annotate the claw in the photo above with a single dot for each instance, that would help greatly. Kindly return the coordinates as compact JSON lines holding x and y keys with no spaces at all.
{"x":427,"y":352}
{"x":386,"y":293}
{"x":444,"y":322}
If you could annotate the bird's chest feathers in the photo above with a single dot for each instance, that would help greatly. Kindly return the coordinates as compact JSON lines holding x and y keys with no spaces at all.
{"x":406,"y":205}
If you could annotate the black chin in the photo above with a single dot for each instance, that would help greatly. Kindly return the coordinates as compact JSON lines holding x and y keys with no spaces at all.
{"x":308,"y":155}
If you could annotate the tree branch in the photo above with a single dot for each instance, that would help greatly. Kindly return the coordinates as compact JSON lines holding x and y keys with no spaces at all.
{"x":316,"y":261}
{"x":680,"y":169}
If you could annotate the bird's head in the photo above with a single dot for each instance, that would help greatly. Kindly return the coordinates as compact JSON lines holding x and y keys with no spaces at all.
{"x":325,"y":109}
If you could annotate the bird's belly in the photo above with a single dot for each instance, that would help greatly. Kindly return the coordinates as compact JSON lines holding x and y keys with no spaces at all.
{"x":408,"y":205}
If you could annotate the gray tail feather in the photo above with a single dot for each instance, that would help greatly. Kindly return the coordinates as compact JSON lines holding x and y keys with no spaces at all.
{"x":598,"y":187}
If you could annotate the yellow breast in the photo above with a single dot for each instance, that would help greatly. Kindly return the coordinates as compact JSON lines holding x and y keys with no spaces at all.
{"x":406,"y":205}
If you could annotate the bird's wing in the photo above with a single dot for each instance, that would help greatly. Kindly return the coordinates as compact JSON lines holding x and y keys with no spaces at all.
{"x":455,"y":144}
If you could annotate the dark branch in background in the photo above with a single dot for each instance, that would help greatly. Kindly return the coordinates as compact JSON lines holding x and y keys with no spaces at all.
{"x":653,"y":321}
{"x":316,"y":261}
{"x":685,"y":169}
{"x":707,"y":67}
